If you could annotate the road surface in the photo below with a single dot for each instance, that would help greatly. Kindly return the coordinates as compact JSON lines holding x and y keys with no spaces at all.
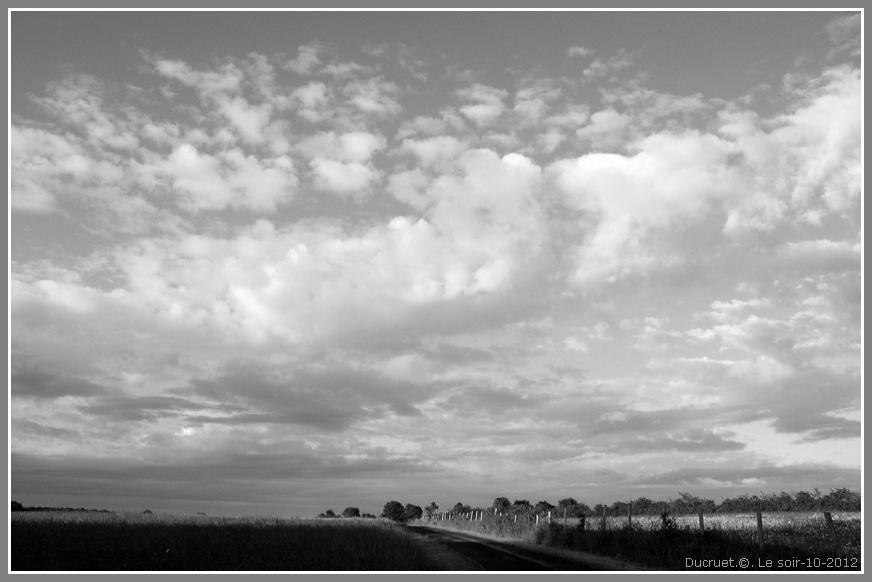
{"x":454,"y":550}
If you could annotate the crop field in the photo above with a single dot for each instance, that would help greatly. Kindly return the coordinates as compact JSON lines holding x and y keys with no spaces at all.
{"x":88,"y":541}
{"x":801,"y":541}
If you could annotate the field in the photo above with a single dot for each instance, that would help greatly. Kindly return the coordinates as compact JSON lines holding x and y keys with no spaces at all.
{"x":77,"y":541}
{"x":92,"y":541}
{"x":801,"y":541}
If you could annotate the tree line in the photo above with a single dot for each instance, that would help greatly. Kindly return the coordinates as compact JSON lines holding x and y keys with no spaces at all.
{"x":840,"y":499}
{"x":347,"y":512}
{"x":16,"y":506}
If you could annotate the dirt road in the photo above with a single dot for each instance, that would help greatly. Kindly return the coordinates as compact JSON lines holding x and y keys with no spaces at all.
{"x":458,"y":551}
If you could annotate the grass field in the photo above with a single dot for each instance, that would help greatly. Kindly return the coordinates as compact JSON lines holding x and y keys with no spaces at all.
{"x":801,"y":541}
{"x":77,"y":541}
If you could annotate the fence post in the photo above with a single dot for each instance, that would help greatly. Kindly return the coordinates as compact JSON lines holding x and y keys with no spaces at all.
{"x":701,"y":522}
{"x":629,"y":515}
{"x":564,"y":519}
{"x":516,"y":518}
{"x":583,"y":518}
{"x":549,"y":517}
{"x":759,"y":529}
{"x":828,"y":517}
{"x":603,"y":525}
{"x":537,"y":519}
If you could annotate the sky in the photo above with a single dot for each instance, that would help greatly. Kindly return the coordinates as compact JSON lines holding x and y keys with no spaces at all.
{"x":279,"y":263}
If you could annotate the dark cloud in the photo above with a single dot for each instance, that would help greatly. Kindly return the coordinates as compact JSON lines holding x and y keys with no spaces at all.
{"x":690,"y":441}
{"x":23,"y":426}
{"x":795,"y":477}
{"x":456,"y":354}
{"x":819,"y":427}
{"x":44,"y":385}
{"x":123,"y":407}
{"x":487,"y":400}
{"x":332,"y":398}
{"x":243,"y":477}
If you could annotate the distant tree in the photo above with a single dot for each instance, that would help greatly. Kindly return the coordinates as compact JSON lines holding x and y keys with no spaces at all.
{"x":431,"y":510}
{"x":571,"y":506}
{"x":521,"y":504}
{"x":618,"y":508}
{"x":461,"y":508}
{"x":393,"y":510}
{"x":17,"y":506}
{"x":351,"y":512}
{"x":687,"y":503}
{"x":544,"y":506}
{"x":368,"y":516}
{"x":501,"y":504}
{"x":842,"y":499}
{"x":644,"y":506}
{"x":411,"y":513}
{"x":147,"y":511}
{"x":803,"y":501}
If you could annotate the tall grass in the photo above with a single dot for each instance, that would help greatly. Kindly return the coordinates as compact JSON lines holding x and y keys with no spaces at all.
{"x":75,"y":541}
{"x":669,"y":543}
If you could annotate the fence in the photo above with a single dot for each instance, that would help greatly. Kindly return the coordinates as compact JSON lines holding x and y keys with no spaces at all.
{"x":606,"y":521}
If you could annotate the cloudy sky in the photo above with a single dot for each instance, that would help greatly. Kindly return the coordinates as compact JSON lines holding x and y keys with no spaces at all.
{"x":280,"y":263}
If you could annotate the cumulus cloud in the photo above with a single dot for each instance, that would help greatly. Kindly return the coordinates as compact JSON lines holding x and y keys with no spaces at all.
{"x":345,"y":178}
{"x":487,"y":103}
{"x":308,"y":57}
{"x":307,"y":266}
{"x":579,"y":51}
{"x":599,"y":68}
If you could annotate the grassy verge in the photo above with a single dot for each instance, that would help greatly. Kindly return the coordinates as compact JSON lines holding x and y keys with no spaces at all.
{"x":82,"y":541}
{"x":798,"y":542}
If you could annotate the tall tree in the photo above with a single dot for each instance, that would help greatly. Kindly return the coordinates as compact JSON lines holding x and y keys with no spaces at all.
{"x":393,"y":510}
{"x":351,"y":512}
{"x":411,"y":513}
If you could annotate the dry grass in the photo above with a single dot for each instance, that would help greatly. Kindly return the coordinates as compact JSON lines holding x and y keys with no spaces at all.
{"x":650,"y":542}
{"x":79,"y":541}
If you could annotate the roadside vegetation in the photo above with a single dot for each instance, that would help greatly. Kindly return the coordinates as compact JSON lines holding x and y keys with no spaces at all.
{"x":667,"y":535}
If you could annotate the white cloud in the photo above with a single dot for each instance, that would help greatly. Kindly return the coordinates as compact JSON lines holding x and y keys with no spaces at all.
{"x":575,"y":344}
{"x":226,"y":80}
{"x":249,"y":121}
{"x":449,"y":264}
{"x":533,"y":101}
{"x":607,"y":130}
{"x":844,"y":33}
{"x":601,"y":68}
{"x":314,"y":100}
{"x":579,"y":51}
{"x":308,"y":57}
{"x":345,"y":178}
{"x":573,"y":116}
{"x":212,"y":183}
{"x":487,"y":103}
{"x":355,"y":146}
{"x":671,"y":177}
{"x":435,"y":151}
{"x":409,"y":187}
{"x":374,"y":96}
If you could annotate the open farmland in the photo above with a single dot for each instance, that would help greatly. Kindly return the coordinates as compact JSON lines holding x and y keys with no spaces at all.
{"x":801,"y":541}
{"x":77,"y":541}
